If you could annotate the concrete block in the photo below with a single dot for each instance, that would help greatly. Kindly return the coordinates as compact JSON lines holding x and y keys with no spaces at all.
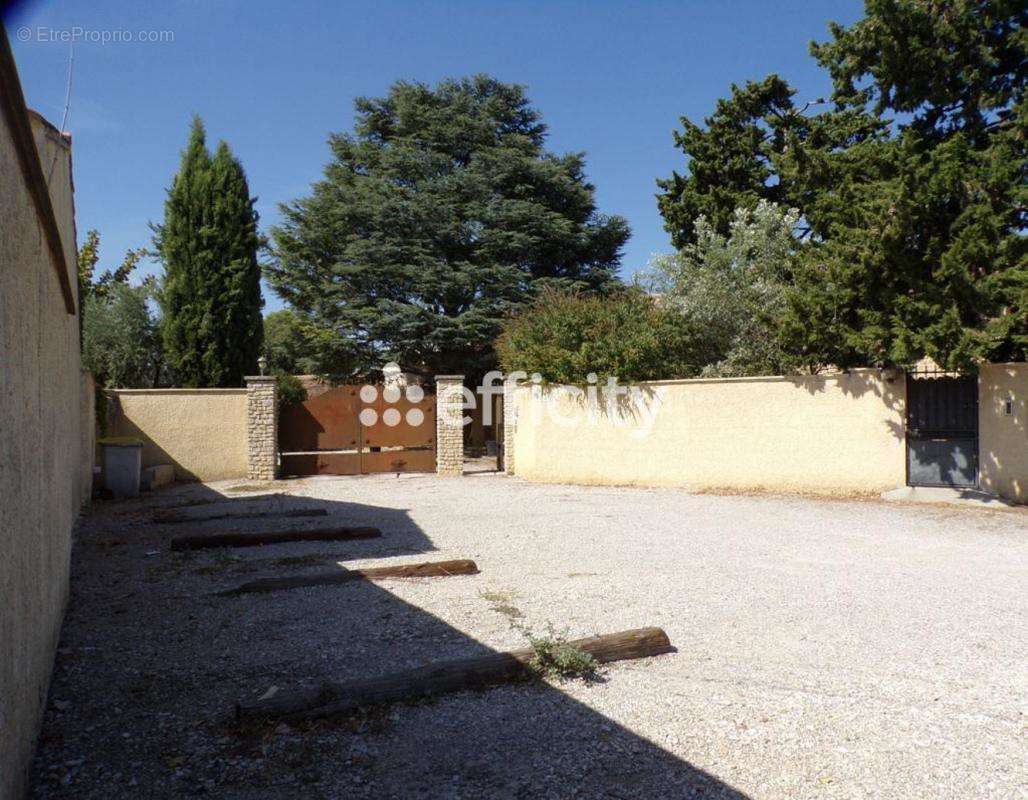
{"x":157,"y":476}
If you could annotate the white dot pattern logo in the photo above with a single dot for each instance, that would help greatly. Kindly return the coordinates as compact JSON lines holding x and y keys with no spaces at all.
{"x":391,"y":395}
{"x":415,"y":394}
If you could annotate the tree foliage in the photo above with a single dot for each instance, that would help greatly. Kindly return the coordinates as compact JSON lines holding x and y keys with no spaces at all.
{"x":440,"y":214}
{"x":732,"y":289}
{"x":295,"y":344}
{"x":627,"y":334}
{"x":285,"y":342}
{"x":208,"y":242}
{"x":911,"y":185}
{"x":121,"y":343}
{"x":91,"y":284}
{"x":290,"y":390}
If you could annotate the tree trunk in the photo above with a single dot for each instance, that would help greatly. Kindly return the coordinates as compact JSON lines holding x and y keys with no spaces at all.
{"x":436,"y":569}
{"x":331,"y":699}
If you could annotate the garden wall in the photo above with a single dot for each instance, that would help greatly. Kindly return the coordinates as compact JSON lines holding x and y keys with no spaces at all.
{"x":201,"y":432}
{"x":1003,"y":437}
{"x":45,"y":453}
{"x":839,"y":433}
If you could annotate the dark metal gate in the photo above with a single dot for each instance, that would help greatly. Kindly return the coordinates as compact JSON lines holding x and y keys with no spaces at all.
{"x":942,"y":430}
{"x":351,"y":430}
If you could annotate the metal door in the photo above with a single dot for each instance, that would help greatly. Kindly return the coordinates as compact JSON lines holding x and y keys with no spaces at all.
{"x":942,"y":430}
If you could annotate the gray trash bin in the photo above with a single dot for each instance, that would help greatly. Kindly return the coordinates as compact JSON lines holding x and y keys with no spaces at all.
{"x":123,"y":459}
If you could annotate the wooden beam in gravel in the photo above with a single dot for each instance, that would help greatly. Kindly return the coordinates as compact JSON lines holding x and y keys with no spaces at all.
{"x":427,"y":569}
{"x":171,"y":515}
{"x":332,"y":699}
{"x":235,"y":539}
{"x":192,"y":502}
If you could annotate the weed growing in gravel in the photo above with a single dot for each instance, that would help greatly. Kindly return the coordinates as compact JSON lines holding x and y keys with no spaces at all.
{"x":555,"y":656}
{"x":502,"y":603}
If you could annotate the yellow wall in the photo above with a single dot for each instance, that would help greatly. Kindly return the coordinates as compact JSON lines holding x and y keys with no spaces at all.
{"x":201,"y":432}
{"x":1003,"y":440}
{"x":45,"y":466}
{"x":837,"y":433}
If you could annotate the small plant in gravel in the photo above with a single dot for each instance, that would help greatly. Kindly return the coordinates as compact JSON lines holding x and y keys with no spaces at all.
{"x":502,"y":603}
{"x":555,"y":656}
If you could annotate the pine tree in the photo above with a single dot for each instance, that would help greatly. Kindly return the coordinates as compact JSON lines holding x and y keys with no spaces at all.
{"x":912,"y":185}
{"x":211,"y":298}
{"x":925,"y":252}
{"x":436,"y":218}
{"x":731,"y":160}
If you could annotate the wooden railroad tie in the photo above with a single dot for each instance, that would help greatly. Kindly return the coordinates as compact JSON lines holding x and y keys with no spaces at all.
{"x":166,"y":516}
{"x":237,"y":539}
{"x":333,"y":699}
{"x":427,"y":569}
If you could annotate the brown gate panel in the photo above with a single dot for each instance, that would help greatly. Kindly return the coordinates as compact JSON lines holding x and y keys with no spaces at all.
{"x":321,"y":463}
{"x":326,"y":422}
{"x":401,"y":423}
{"x":389,"y":433}
{"x":400,"y":436}
{"x":399,"y":461}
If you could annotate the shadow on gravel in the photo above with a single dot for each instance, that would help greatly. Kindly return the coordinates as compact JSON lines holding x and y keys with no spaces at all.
{"x":150,"y":666}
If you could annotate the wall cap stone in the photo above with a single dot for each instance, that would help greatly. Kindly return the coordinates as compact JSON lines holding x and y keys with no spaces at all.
{"x":449,"y":377}
{"x":260,"y":378}
{"x":174,"y":390}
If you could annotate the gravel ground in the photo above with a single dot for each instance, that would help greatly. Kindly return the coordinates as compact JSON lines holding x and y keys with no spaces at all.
{"x":835,"y":649}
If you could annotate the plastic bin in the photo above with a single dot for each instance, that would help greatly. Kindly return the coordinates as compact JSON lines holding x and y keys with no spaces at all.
{"x":123,"y":460}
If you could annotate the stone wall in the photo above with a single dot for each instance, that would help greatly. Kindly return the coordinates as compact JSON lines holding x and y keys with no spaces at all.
{"x":45,"y":468}
{"x":449,"y":418}
{"x":510,"y":415}
{"x":261,"y":428}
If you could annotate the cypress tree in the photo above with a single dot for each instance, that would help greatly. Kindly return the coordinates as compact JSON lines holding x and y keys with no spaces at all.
{"x":211,"y":298}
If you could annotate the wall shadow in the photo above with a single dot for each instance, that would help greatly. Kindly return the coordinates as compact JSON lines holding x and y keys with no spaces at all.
{"x":152,"y":664}
{"x":889,"y":388}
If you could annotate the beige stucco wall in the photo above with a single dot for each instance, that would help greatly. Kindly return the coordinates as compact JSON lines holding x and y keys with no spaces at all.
{"x":201,"y":432}
{"x":838,"y":433}
{"x":1003,"y":439}
{"x":44,"y":469}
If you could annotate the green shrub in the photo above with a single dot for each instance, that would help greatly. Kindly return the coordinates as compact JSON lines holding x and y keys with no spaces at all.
{"x":627,"y":335}
{"x":557,"y":657}
{"x":290,"y":391}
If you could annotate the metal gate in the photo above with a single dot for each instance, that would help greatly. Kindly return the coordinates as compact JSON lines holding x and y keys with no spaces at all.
{"x":942,"y":430}
{"x":351,"y":430}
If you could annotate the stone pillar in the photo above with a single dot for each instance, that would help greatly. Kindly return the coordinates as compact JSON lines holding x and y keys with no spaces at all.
{"x":449,"y":424}
{"x":261,"y":427}
{"x":510,"y":416}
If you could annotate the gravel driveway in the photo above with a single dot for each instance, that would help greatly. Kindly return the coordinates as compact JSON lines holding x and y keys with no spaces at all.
{"x":825,"y":649}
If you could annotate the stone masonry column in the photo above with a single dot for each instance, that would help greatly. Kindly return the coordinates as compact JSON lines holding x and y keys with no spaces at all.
{"x":449,"y":424}
{"x":510,"y":416}
{"x":261,"y":427}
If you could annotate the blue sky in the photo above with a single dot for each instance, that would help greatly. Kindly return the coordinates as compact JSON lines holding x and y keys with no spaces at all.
{"x":273,"y":79}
